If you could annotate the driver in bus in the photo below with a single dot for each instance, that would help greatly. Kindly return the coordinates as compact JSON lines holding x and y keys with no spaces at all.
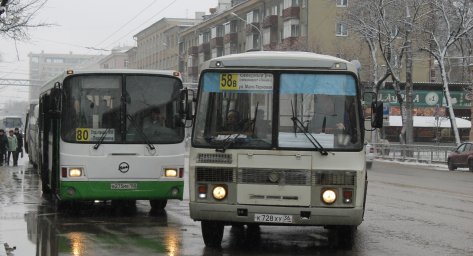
{"x":234,"y":124}
{"x":325,"y":118}
{"x":154,"y":125}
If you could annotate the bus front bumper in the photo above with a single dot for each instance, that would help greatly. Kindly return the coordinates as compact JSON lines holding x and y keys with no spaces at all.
{"x":303,"y":216}
{"x":126,"y":190}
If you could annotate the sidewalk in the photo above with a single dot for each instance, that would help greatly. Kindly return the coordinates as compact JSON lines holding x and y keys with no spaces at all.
{"x":5,"y":171}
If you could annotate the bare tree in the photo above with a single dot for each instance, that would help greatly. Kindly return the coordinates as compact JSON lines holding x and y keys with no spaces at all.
{"x":447,"y":22}
{"x":387,"y":29}
{"x":17,"y":18}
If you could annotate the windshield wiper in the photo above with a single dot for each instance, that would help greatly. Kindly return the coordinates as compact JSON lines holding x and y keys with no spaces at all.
{"x":298,"y":124}
{"x":102,"y":138}
{"x":227,"y":142}
{"x":140,"y":131}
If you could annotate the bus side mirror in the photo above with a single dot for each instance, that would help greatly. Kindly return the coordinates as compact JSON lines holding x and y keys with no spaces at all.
{"x":377,"y":114}
{"x":55,"y":103}
{"x":185,"y":105}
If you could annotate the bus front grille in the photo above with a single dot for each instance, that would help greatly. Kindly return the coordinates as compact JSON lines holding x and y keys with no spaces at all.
{"x":274,"y":176}
{"x":334,"y":178}
{"x":210,"y":174}
{"x":210,"y":158}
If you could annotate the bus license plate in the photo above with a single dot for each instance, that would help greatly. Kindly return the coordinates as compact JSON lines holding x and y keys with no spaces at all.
{"x":273,"y":218}
{"x":123,"y":186}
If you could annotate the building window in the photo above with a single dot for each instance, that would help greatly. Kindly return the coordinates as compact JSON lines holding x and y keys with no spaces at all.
{"x":394,"y":31}
{"x":204,"y":38}
{"x":217,"y":31}
{"x":252,"y":42}
{"x":274,"y":10}
{"x":231,"y":27}
{"x":252,"y":16}
{"x":342,"y":3}
{"x":290,"y":3}
{"x":267,"y":36}
{"x":341,"y":30}
{"x":291,"y":28}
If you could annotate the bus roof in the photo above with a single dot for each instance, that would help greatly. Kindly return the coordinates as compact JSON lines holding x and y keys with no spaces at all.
{"x":278,"y":59}
{"x":63,"y":75}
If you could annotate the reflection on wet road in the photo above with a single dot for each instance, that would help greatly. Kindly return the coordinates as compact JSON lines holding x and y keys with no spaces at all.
{"x":410,"y":211}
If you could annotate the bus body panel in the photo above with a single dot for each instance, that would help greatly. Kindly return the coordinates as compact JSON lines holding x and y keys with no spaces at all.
{"x":141,"y":166}
{"x":31,"y":136}
{"x":103,"y":190}
{"x":320,"y":216}
{"x":239,"y":173}
{"x":246,"y":193}
{"x":111,"y":168}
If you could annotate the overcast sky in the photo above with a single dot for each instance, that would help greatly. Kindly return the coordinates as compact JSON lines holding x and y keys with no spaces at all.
{"x":90,"y":23}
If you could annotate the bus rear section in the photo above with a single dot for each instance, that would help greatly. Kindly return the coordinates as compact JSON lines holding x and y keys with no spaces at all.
{"x":278,"y":140}
{"x":113,"y":135}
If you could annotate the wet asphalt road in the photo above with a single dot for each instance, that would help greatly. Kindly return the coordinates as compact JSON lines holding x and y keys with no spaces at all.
{"x":411,"y":210}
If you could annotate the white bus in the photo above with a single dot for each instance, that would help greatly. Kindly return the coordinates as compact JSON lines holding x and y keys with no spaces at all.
{"x":11,"y":122}
{"x":95,"y":144}
{"x":32,"y":135}
{"x":278,"y":139}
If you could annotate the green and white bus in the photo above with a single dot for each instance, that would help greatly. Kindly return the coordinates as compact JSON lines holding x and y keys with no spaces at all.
{"x":278,"y":139}
{"x":94,"y":144}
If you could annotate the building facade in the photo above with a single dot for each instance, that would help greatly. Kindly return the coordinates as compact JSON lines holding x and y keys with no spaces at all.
{"x":157,"y":45}
{"x":45,"y":66}
{"x":117,"y":59}
{"x":299,"y":25}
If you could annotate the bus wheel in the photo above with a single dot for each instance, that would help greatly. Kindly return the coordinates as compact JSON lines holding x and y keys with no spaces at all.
{"x":158,"y":204}
{"x":342,"y":236}
{"x":61,"y":206}
{"x":44,"y":183}
{"x":212,"y":231}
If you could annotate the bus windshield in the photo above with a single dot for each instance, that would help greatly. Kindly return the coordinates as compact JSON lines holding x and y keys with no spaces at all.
{"x":236,"y":110}
{"x":122,"y":109}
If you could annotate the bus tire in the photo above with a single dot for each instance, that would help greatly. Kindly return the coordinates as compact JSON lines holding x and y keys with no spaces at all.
{"x":158,"y":204}
{"x":342,"y":237}
{"x":61,"y":206}
{"x":44,"y":183}
{"x":369,"y":165}
{"x":212,"y":232}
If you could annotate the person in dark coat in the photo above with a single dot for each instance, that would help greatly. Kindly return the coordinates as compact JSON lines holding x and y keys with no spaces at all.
{"x":19,"y":138}
{"x":12,"y":148}
{"x":3,"y":146}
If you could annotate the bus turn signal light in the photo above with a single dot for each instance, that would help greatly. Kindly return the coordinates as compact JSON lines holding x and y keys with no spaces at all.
{"x":202,"y":190}
{"x":347,"y":196}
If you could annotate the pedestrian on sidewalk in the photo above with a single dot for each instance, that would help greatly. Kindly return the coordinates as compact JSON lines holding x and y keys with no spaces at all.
{"x":12,"y":148}
{"x":3,"y":146}
{"x":19,"y":138}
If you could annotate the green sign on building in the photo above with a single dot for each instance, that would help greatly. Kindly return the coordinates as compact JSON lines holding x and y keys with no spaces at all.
{"x":423,"y":98}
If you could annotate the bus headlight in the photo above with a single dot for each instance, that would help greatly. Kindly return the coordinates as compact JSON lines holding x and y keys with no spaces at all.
{"x":75,"y":172}
{"x":329,"y":196}
{"x":219,"y":192}
{"x":170,"y":172}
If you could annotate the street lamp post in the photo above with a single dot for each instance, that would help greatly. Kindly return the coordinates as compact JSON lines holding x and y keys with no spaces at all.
{"x":257,"y":29}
